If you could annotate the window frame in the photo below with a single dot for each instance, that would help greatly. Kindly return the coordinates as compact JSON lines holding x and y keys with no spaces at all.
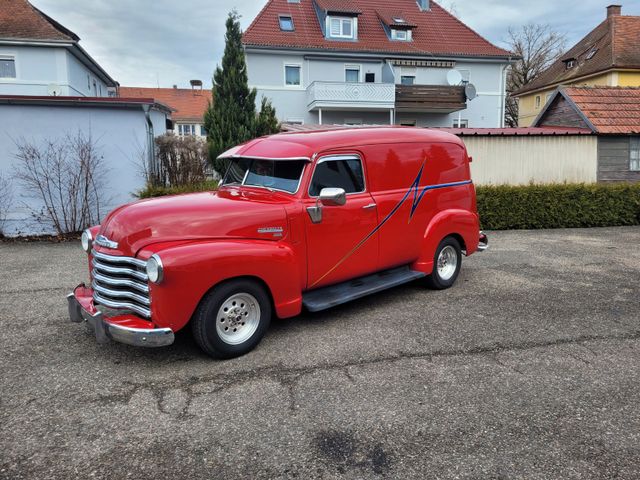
{"x":290,"y":18}
{"x":538,"y":102}
{"x":10,"y":57}
{"x":407,"y":76}
{"x":634,"y":140}
{"x":352,"y":66}
{"x":341,"y":36}
{"x":408,"y":36}
{"x":292,"y":65}
{"x":460,"y":122}
{"x":336,"y":158}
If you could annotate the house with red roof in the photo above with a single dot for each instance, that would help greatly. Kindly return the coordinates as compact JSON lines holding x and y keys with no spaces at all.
{"x":40,"y":57}
{"x":611,"y":113}
{"x":351,"y":62}
{"x":188,"y":104}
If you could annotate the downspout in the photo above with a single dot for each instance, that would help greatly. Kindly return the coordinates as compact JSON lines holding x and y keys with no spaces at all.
{"x":150,"y":142}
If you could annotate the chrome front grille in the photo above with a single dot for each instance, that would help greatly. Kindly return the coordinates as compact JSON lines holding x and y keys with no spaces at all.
{"x":121,"y":283}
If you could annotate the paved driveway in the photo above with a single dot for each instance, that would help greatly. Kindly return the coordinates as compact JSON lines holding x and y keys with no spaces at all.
{"x":529,"y":368}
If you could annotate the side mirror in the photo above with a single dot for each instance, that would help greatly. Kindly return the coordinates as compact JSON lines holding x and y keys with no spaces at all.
{"x":329,"y":197}
{"x":333,"y":197}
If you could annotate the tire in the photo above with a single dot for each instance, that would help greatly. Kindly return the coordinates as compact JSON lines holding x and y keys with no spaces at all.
{"x":232,"y":318}
{"x":445,"y":272}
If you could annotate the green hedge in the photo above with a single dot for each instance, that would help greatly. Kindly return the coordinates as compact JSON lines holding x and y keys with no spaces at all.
{"x":558,"y":206}
{"x":151,"y":191}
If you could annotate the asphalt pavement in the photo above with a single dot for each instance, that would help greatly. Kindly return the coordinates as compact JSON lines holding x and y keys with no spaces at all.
{"x":529,"y":368}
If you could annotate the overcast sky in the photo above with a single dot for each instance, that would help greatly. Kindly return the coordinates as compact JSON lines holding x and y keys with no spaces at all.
{"x":166,"y":42}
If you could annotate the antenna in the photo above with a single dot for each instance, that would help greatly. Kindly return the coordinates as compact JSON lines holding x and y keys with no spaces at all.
{"x":54,"y":90}
{"x":470,"y":91}
{"x":454,"y":78}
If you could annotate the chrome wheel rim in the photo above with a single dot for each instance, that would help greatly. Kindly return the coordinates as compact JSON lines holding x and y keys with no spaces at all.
{"x":447,"y":262}
{"x":238,"y":318}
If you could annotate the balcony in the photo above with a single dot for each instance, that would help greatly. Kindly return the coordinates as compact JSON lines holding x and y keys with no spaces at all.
{"x":430,"y":98}
{"x":351,"y":96}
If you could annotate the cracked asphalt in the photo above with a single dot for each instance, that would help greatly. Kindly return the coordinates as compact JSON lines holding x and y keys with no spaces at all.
{"x":529,"y":368}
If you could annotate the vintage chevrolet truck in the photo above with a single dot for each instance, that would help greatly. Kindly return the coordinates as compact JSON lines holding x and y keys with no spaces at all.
{"x":308,"y":220}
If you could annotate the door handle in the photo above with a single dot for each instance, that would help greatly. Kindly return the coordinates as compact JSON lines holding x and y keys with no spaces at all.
{"x":369,"y":207}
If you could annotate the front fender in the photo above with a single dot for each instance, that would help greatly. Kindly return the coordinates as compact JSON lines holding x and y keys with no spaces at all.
{"x":448,"y":222}
{"x":191,"y":270}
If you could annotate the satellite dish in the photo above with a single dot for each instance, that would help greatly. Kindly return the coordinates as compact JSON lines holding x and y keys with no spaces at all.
{"x":470,"y":91}
{"x":55,"y":90}
{"x":454,"y":78}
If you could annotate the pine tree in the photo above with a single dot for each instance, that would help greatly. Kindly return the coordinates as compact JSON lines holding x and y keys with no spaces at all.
{"x":267,"y":123}
{"x":231,"y":117}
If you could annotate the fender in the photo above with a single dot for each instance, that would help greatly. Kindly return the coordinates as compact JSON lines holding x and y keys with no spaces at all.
{"x":448,"y":222}
{"x":191,"y":270}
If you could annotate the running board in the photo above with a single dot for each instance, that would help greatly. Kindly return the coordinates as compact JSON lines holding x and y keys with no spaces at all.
{"x":327,"y":297}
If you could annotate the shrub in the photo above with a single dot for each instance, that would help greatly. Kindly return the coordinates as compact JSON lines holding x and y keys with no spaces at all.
{"x":181,"y":161}
{"x":66,"y":175}
{"x":6,"y":200}
{"x":558,"y":206}
{"x":151,"y":191}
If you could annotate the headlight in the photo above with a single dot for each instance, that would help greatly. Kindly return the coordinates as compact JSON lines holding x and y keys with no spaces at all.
{"x":86,"y":240}
{"x":155,"y":270}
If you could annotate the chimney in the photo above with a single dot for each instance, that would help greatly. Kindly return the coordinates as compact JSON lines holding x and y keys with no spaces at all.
{"x":423,"y":4}
{"x":614,"y":11}
{"x":175,"y":87}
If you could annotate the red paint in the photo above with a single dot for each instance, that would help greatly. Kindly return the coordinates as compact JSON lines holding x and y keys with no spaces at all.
{"x":206,"y":238}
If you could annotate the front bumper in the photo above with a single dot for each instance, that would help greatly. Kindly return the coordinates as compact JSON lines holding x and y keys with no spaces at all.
{"x":81,"y":309}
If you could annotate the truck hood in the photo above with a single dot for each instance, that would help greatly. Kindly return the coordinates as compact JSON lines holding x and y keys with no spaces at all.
{"x":229,"y":213}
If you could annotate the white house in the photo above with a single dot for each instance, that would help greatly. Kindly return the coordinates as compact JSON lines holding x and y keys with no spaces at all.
{"x":402,"y":62}
{"x":51,"y":88}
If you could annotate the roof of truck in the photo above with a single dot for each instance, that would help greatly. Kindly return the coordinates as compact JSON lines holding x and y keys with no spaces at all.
{"x":303,"y":145}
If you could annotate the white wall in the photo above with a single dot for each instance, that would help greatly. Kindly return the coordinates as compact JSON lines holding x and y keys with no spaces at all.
{"x":119,"y":133}
{"x":533,"y":159}
{"x":39,"y":67}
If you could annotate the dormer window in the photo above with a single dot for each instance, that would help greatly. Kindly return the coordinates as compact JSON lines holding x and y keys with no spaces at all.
{"x":401,"y":35}
{"x":286,"y":23}
{"x":570,"y":63}
{"x":342,"y":27}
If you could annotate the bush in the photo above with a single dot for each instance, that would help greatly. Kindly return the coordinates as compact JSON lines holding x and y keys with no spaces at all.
{"x":151,"y":191}
{"x":180,"y":161}
{"x":558,"y":206}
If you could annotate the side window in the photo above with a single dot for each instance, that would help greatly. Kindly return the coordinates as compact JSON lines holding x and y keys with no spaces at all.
{"x":343,"y":173}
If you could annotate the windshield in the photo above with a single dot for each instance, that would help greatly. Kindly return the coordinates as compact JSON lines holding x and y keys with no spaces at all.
{"x":273,"y":174}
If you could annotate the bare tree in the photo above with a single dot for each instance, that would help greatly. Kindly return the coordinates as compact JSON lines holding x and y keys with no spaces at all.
{"x":539,"y":47}
{"x":6,"y":200}
{"x":67,"y":176}
{"x":181,"y":160}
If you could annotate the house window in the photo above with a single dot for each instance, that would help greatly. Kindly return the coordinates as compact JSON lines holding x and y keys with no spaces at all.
{"x":538,"y":101}
{"x":634,"y":154}
{"x":401,"y":35}
{"x":352,"y":74}
{"x":292,"y":75}
{"x":408,"y":123}
{"x":7,"y":67}
{"x":186,"y":130}
{"x":341,"y":27}
{"x":370,"y":77}
{"x":89,"y":83}
{"x":203,"y":131}
{"x":460,"y":123}
{"x":407,"y":79}
{"x":286,"y":23}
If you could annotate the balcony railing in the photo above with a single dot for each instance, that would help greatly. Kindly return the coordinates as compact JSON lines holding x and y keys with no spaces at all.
{"x":430,"y":98}
{"x":375,"y":96}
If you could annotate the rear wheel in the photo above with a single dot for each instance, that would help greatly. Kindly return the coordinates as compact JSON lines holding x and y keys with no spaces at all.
{"x":446,"y":264}
{"x":232,"y":318}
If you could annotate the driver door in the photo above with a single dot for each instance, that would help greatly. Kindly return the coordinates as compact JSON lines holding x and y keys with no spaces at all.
{"x":344,"y":244}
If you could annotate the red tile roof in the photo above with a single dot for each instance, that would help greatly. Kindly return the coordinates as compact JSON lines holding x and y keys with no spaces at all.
{"x":340,"y":6}
{"x":611,"y":110}
{"x":189,"y":105}
{"x":612,"y":44}
{"x":437,"y":32}
{"x":21,"y":20}
{"x":390,"y":17}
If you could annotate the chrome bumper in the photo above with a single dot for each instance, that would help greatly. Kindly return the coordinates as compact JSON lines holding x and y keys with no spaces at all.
{"x":483,"y":243}
{"x":105,"y":331}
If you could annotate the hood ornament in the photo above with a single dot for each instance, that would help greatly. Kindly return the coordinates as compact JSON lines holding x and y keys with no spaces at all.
{"x":105,"y":242}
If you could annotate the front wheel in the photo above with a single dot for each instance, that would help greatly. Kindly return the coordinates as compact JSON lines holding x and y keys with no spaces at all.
{"x":232,"y":318}
{"x":446,"y":264}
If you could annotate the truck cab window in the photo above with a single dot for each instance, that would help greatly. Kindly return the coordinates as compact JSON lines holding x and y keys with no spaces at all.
{"x":273,"y":174}
{"x":346,"y":174}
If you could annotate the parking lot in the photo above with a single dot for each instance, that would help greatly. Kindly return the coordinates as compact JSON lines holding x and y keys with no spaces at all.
{"x":528,"y":368}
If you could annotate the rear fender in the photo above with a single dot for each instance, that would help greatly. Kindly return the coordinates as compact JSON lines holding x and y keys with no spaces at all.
{"x":462,"y":223}
{"x":191,"y":270}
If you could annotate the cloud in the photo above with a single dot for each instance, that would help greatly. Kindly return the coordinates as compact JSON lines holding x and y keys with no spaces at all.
{"x":164,"y":42}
